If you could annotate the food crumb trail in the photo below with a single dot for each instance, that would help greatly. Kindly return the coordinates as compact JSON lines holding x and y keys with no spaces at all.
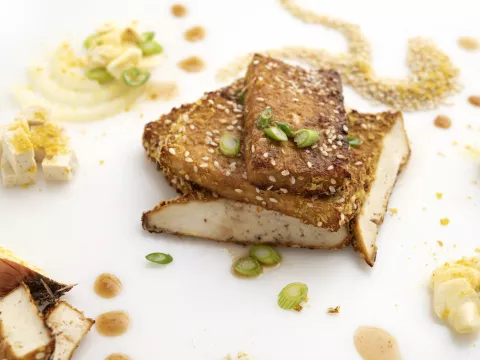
{"x":179,"y":10}
{"x":468,"y":43}
{"x":442,"y":122}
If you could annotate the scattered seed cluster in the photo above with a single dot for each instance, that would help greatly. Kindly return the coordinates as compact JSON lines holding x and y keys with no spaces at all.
{"x":432,"y":78}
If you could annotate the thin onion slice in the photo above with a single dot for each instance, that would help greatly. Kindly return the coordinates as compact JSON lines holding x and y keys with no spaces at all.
{"x":51,"y":90}
{"x":292,"y":295}
{"x":247,"y":266}
{"x":265,"y":254}
{"x":27,"y":97}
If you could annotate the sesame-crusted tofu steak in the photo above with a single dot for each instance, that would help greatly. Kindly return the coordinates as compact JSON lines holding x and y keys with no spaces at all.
{"x":303,"y":99}
{"x":190,"y":152}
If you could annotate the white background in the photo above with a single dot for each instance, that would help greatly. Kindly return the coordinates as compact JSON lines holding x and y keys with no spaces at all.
{"x":194,"y":308}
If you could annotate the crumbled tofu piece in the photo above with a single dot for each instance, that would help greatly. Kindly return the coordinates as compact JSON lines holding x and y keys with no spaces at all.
{"x":24,"y":334}
{"x":60,"y":167}
{"x":129,"y":58}
{"x":69,"y":327}
{"x":18,"y":151}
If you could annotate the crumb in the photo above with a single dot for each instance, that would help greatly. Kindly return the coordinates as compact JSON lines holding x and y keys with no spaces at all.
{"x":474,"y":100}
{"x":454,"y":246}
{"x":40,"y":189}
{"x":396,"y":305}
{"x":24,"y":186}
{"x":298,"y":308}
{"x":393,"y":211}
{"x":127,"y":109}
{"x":335,"y":310}
{"x":104,"y":134}
{"x":474,"y":182}
{"x":469,"y":126}
{"x":468,"y":43}
{"x":469,"y":197}
{"x":442,"y":122}
{"x":161,"y":91}
{"x":440,"y":243}
{"x":102,"y":162}
{"x":454,"y":143}
{"x":444,"y":221}
{"x":194,"y":34}
{"x":179,"y":10}
{"x":439,"y":195}
{"x":477,"y":250}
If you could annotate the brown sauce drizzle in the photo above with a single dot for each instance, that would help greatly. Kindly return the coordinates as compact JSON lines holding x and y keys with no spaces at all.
{"x":195,"y":34}
{"x":191,"y":64}
{"x":179,"y":10}
{"x":113,"y":323}
{"x":376,"y":344}
{"x":107,"y":286}
{"x":117,"y":357}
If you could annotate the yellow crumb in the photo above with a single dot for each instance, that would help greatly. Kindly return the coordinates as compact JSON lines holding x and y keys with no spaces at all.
{"x":25,"y":186}
{"x":439,"y":195}
{"x":469,"y":197}
{"x":445,"y":314}
{"x":335,"y":310}
{"x":444,"y":221}
{"x":141,"y":115}
{"x":454,"y":143}
{"x":21,"y":142}
{"x":102,"y":162}
{"x":454,"y":246}
{"x":440,"y":243}
{"x":475,"y":182}
{"x":393,"y":211}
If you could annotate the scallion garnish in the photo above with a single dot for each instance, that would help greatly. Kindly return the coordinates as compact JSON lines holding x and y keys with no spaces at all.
{"x":90,"y":41}
{"x":101,"y":75}
{"x":305,"y":138}
{"x":266,"y":255}
{"x":159,"y":258}
{"x":353,"y":141}
{"x":275,"y":133}
{"x":147,"y":36}
{"x":265,"y":118}
{"x":135,"y":77}
{"x":247,"y":266}
{"x":150,"y":48}
{"x":287,"y":129}
{"x":292,"y":295}
{"x":229,"y":145}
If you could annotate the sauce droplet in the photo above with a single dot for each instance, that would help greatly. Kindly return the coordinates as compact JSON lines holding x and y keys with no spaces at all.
{"x":117,"y":357}
{"x":191,"y":64}
{"x":162,"y":90}
{"x":179,"y":10}
{"x":194,"y":34}
{"x":113,"y":323}
{"x":107,"y":286}
{"x":376,"y":344}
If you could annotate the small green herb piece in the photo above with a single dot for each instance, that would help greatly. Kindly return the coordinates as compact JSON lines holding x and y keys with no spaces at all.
{"x":101,"y":75}
{"x":229,"y":145}
{"x":265,"y":118}
{"x":146,"y":36}
{"x":292,"y":295}
{"x":247,"y":266}
{"x":266,"y":255}
{"x":287,"y":129}
{"x":90,"y":41}
{"x":159,"y":258}
{"x":353,"y":141}
{"x":276,"y":133}
{"x":135,"y":77}
{"x":150,"y":48}
{"x":241,"y":97}
{"x":305,"y":138}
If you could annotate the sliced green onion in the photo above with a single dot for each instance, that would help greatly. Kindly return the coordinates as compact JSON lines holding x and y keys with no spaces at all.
{"x":353,"y":141}
{"x":99,"y":74}
{"x":90,"y":41}
{"x":229,"y":145}
{"x":150,"y":48}
{"x":304,"y":138}
{"x":266,"y":255}
{"x":265,"y":118}
{"x":275,"y":133}
{"x":135,"y":77}
{"x":146,"y":36}
{"x":287,"y":129}
{"x":247,"y":266}
{"x":241,"y":97}
{"x":159,"y":258}
{"x":292,"y":295}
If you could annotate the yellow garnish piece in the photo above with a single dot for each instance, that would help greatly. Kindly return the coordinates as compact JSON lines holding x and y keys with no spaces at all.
{"x":21,"y":142}
{"x":51,"y":138}
{"x":444,"y":221}
{"x":439,"y":195}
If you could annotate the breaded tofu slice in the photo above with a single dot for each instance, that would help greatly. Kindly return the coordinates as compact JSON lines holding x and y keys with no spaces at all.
{"x":69,"y":327}
{"x":14,"y":271}
{"x":304,"y":100}
{"x":189,"y":155}
{"x":23,"y":332}
{"x":385,"y":146}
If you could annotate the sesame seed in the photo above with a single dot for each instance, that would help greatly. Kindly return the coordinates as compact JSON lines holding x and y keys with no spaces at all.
{"x":260,"y":99}
{"x":213,"y":143}
{"x":270,"y":187}
{"x":222,"y":121}
{"x":239,"y":191}
{"x":285,"y":173}
{"x":205,"y":158}
{"x":319,"y":224}
{"x":341,"y":200}
{"x":244,"y":175}
{"x":209,"y":133}
{"x":257,"y":190}
{"x":220,"y":107}
{"x":215,"y":195}
{"x":345,"y":128}
{"x":273,"y":200}
{"x":332,"y":189}
{"x":187,"y":177}
{"x":272,"y":178}
{"x":309,"y":164}
{"x":330,"y":167}
{"x":273,"y":162}
{"x":211,"y":101}
{"x":203,"y":165}
{"x":364,"y":126}
{"x":265,"y":155}
{"x":295,"y":100}
{"x":216,"y":131}
{"x":187,"y":153}
{"x":256,"y":62}
{"x":333,"y":181}
{"x":228,"y":173}
{"x":264,"y":203}
{"x":230,"y":127}
{"x":259,"y":198}
{"x":310,"y":205}
{"x":292,"y":180}
{"x":195,"y":168}
{"x":192,"y":127}
{"x":340,"y":156}
{"x":185,"y":117}
{"x":358,"y":163}
{"x":216,"y":164}
{"x":171,"y":151}
{"x":253,"y":148}
{"x":342,"y":217}
{"x":189,"y":160}
{"x":283,"y":190}
{"x":260,"y":78}
{"x":211,"y":151}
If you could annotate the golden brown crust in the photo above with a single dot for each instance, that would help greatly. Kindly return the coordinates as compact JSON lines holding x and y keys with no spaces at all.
{"x":304,"y":100}
{"x":206,"y":196}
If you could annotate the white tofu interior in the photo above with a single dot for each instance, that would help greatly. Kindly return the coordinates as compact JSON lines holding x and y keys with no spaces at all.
{"x":395,"y":152}
{"x":22,"y":325}
{"x":69,"y":326}
{"x":8,"y":175}
{"x":21,"y":162}
{"x":230,"y":221}
{"x":59,"y":167}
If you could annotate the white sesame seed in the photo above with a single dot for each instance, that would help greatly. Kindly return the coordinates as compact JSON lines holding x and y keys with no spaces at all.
{"x":171,"y":151}
{"x":187,"y":153}
{"x":259,"y":198}
{"x":273,"y":200}
{"x":270,"y":187}
{"x":213,"y":143}
{"x":192,"y":127}
{"x":319,"y":224}
{"x":358,"y":163}
{"x":209,"y":133}
{"x":264,"y":203}
{"x":364,"y":126}
{"x":342,"y":217}
{"x":185,"y":117}
{"x":260,"y":99}
{"x":292,"y":180}
{"x":239,"y":191}
{"x":295,"y":100}
{"x":211,"y":101}
{"x":203,"y":165}
{"x":216,"y":164}
{"x":283,"y":190}
{"x":222,"y":121}
{"x":340,"y":156}
{"x":239,"y":127}
{"x":220,"y":107}
{"x":195,"y":168}
{"x":285,"y":173}
{"x":244,"y":175}
{"x":310,"y":205}
{"x":215,"y":195}
{"x":330,"y":167}
{"x":256,"y":62}
{"x":272,"y":178}
{"x":273,"y":162}
{"x":341,"y":200}
{"x":309,"y":164}
{"x":260,"y":78}
{"x":332,"y":189}
{"x":345,"y":128}
{"x":253,"y":148}
{"x":228,"y":173}
{"x":227,"y":111}
{"x":189,"y":160}
{"x":205,"y":158}
{"x":230,"y":127}
{"x":265,"y":155}
{"x":167,"y":122}
{"x":234,"y":122}
{"x":333,"y":181}
{"x":257,"y":190}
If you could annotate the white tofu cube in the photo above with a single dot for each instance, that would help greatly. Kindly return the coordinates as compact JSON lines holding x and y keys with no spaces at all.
{"x":129,"y":58}
{"x":11,"y":179}
{"x":18,"y":151}
{"x":3,"y":130}
{"x":60,"y":167}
